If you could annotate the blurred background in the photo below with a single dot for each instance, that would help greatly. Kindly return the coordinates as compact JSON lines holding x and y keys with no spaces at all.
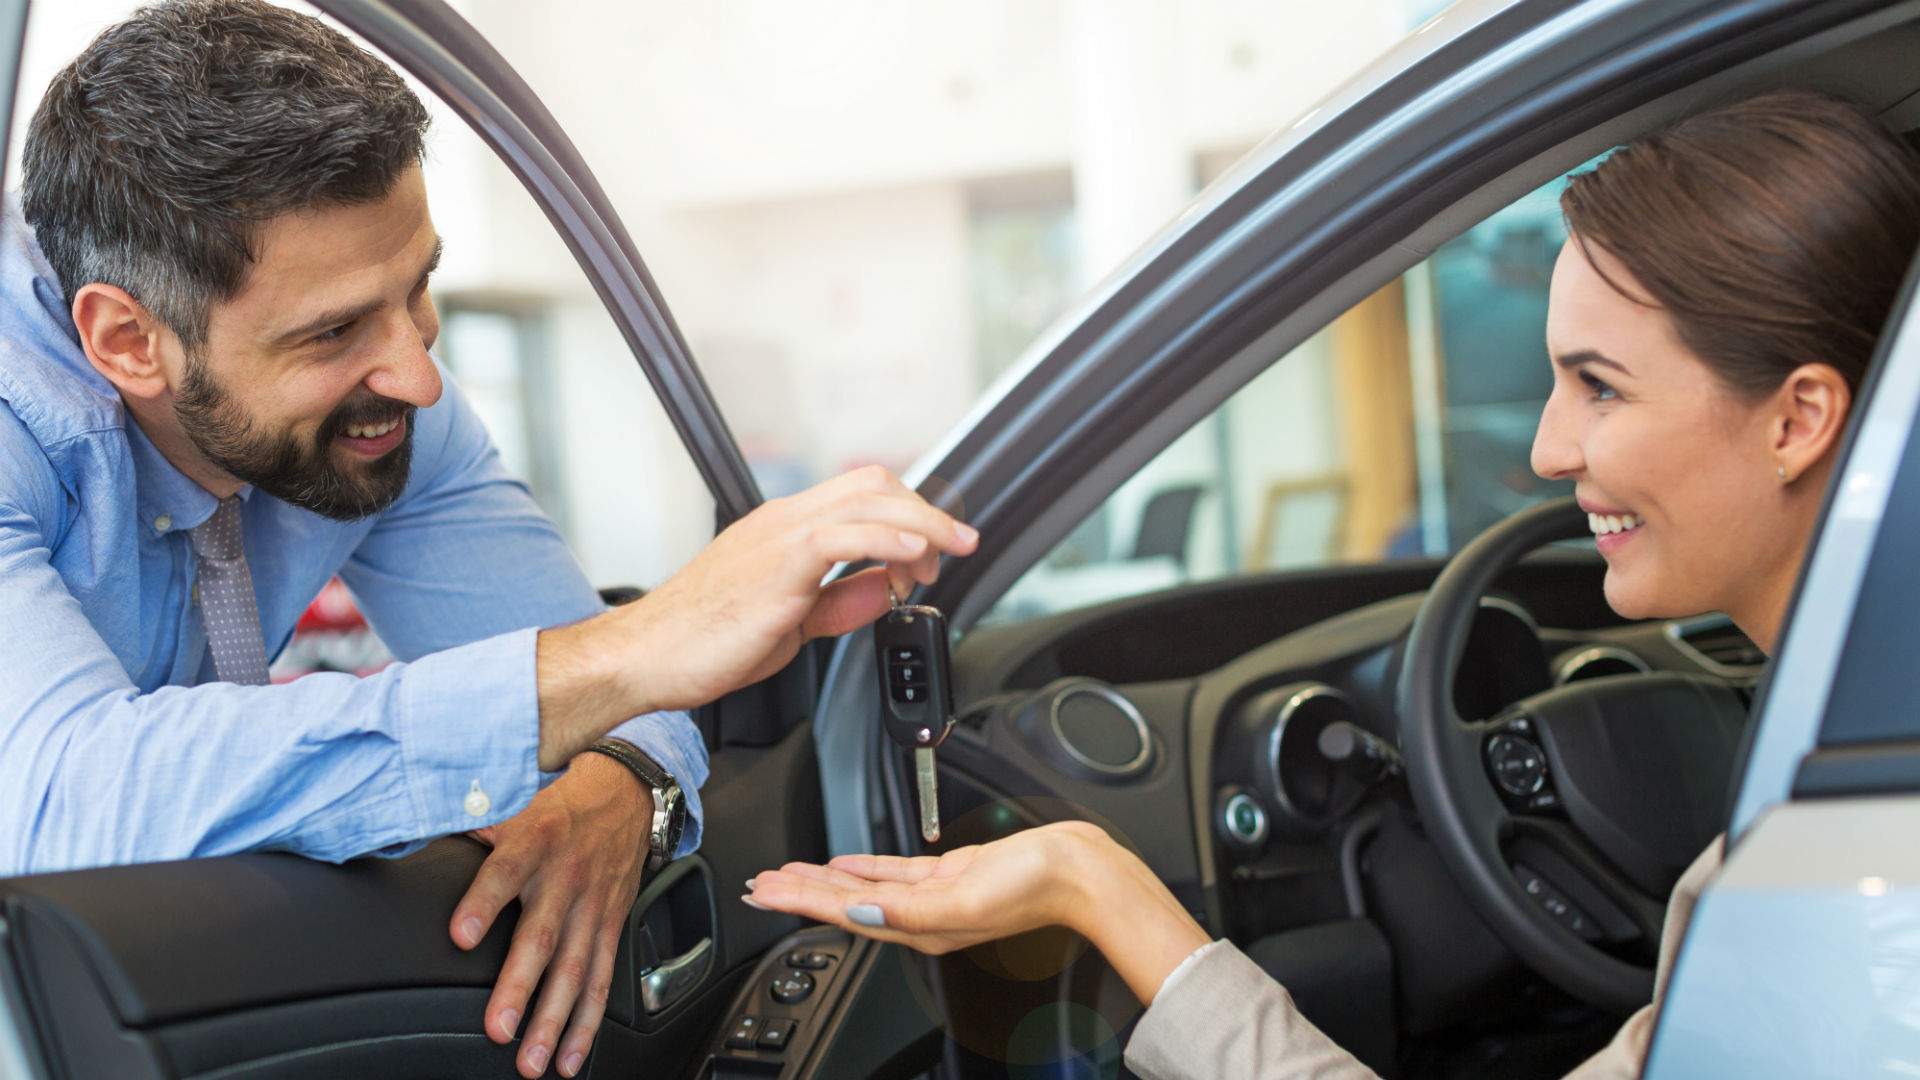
{"x":863,"y":212}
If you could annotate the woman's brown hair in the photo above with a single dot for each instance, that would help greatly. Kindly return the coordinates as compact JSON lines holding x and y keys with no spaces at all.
{"x":1774,"y":231}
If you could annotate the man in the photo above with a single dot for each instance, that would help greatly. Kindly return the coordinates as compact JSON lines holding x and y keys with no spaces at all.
{"x":215,"y":394}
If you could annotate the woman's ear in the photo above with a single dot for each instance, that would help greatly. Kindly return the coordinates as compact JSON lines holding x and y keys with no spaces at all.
{"x":1810,"y":411}
{"x":121,"y":339}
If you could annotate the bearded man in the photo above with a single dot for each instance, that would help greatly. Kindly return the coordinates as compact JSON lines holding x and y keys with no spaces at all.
{"x":215,"y":395}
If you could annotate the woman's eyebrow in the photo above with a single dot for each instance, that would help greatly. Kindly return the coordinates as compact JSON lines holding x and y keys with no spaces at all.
{"x":1589,"y":356}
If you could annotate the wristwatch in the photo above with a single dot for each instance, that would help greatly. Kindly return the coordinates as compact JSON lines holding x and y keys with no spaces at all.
{"x":669,"y":802}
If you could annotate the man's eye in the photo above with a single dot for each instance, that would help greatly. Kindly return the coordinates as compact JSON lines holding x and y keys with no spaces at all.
{"x":334,"y":333}
{"x":1598,"y":387}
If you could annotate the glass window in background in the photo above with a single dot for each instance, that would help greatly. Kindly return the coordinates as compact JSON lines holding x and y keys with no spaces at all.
{"x":1401,"y":430}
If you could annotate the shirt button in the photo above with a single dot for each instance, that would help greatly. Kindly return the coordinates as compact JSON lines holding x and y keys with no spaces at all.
{"x":477,"y":803}
{"x":162,"y":523}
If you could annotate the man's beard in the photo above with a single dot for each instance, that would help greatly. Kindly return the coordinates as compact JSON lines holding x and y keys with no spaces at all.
{"x":279,"y":464}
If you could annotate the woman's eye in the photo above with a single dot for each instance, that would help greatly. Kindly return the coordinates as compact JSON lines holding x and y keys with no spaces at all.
{"x":1598,"y":387}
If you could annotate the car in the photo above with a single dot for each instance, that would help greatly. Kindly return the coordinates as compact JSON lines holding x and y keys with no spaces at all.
{"x":1361,"y":773}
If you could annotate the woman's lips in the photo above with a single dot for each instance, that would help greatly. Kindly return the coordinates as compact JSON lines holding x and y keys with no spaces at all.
{"x":1611,"y":532}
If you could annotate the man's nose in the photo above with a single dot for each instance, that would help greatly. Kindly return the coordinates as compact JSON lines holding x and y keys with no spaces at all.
{"x":1556,"y":453}
{"x":405,"y":371}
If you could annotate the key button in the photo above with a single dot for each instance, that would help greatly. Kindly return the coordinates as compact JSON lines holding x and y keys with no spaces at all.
{"x":903,"y":654}
{"x":910,"y":674}
{"x":909,"y":695}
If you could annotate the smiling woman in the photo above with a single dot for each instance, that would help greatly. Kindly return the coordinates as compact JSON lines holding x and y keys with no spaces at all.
{"x":1713,"y":312}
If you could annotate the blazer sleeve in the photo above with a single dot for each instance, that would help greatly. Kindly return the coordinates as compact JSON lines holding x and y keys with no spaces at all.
{"x":1219,"y":1017}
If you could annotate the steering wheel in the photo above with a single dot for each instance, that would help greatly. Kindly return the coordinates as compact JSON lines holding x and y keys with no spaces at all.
{"x":1566,"y":818}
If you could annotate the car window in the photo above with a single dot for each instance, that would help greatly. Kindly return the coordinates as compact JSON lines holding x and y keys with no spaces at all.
{"x":1399,"y":431}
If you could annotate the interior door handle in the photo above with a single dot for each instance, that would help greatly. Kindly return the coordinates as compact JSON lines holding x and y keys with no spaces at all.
{"x":668,"y":982}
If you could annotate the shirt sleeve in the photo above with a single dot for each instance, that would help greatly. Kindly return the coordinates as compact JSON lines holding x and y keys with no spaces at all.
{"x":93,"y":772}
{"x":466,"y":554}
{"x":1218,"y":1015}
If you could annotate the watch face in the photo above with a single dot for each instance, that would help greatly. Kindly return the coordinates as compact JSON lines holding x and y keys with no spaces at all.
{"x":675,"y":807}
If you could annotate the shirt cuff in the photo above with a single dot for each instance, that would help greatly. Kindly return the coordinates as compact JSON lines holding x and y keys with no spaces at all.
{"x":463,"y":774}
{"x":673,"y":741}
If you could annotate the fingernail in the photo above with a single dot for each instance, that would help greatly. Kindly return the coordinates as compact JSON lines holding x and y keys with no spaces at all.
{"x":511,"y":1021}
{"x":573,"y":1063}
{"x":748,"y":900}
{"x":750,"y":884}
{"x":537,"y":1057}
{"x":866,"y":915}
{"x":966,"y":532}
{"x":471,"y":927}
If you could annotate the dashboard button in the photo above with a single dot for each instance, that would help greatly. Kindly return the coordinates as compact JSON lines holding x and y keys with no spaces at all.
{"x":808,"y":959}
{"x":1244,"y":820}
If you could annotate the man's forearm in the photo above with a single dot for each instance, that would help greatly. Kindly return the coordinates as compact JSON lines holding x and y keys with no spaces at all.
{"x":589,"y":684}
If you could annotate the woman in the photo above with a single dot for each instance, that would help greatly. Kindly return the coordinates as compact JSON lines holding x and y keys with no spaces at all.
{"x":1710,"y":321}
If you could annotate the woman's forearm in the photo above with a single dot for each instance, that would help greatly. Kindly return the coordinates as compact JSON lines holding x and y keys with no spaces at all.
{"x":1123,"y":909}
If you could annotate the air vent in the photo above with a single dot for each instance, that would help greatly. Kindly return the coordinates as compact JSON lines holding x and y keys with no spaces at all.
{"x":1717,"y":644}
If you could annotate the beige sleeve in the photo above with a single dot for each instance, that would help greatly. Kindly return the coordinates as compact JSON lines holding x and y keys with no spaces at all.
{"x":1626,"y":1055}
{"x":1219,"y":1017}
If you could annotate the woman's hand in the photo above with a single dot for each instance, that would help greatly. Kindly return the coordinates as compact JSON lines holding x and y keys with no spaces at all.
{"x":1069,"y":874}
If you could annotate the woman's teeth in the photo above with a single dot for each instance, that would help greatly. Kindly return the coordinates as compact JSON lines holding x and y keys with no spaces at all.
{"x":1602,"y":524}
{"x":361,"y":431}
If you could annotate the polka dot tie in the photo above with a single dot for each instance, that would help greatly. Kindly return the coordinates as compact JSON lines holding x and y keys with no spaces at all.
{"x":226,"y":598}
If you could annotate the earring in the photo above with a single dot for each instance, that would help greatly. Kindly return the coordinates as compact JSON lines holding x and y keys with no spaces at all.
{"x":1782,"y":470}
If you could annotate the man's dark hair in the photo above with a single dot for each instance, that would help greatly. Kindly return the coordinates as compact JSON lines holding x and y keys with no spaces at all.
{"x":157,"y":154}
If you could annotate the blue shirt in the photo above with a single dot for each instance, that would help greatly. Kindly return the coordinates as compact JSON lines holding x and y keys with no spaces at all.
{"x":116,"y":746}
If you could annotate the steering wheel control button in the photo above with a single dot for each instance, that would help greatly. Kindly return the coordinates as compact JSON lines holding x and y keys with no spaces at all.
{"x":776,"y":1035}
{"x":808,"y":960}
{"x":1244,"y":821}
{"x":746,"y":1034}
{"x":1556,"y":905}
{"x":792,"y":988}
{"x":1518,"y":765}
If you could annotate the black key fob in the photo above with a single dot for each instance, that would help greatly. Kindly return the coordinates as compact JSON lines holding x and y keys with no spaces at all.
{"x":910,"y":643}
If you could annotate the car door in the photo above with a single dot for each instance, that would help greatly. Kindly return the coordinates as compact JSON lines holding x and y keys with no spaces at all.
{"x":270,"y":965}
{"x":1821,"y":865}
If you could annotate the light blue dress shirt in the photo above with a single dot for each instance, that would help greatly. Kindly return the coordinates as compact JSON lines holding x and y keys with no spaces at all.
{"x":115,"y":746}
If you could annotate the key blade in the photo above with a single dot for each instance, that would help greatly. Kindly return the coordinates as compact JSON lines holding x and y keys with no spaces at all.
{"x":929,"y":794}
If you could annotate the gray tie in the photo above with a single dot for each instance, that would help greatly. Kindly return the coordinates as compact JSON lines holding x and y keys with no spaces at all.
{"x":226,"y":598}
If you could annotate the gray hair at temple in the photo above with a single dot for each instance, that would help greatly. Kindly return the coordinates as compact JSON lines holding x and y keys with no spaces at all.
{"x":159,"y":152}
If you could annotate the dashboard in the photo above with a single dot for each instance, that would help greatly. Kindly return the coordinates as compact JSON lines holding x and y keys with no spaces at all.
{"x":1241,"y":737}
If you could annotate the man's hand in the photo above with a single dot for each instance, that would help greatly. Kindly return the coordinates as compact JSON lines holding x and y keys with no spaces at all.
{"x":742,"y":608}
{"x":573,"y":858}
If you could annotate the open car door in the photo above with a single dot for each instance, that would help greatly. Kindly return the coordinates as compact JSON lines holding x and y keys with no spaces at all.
{"x":270,"y":965}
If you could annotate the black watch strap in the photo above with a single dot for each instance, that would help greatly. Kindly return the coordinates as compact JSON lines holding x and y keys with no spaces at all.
{"x":669,"y":804}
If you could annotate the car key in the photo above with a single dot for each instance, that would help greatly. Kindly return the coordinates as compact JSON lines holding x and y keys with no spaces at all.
{"x":916,"y":694}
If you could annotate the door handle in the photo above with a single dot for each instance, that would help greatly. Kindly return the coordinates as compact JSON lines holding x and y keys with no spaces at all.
{"x":669,"y":981}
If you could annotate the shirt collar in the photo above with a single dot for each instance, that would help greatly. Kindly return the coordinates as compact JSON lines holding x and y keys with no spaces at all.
{"x":169,"y":500}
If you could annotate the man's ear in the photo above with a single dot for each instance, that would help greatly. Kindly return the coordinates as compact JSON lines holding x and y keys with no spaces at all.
{"x":1811,"y":411}
{"x":121,"y":339}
